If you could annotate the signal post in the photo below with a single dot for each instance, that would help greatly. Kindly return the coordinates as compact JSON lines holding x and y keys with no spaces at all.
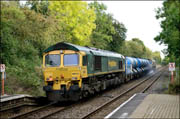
{"x":2,"y":70}
{"x":171,"y":69}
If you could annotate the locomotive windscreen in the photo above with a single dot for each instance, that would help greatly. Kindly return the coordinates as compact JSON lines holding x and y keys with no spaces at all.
{"x":52,"y":60}
{"x":71,"y":59}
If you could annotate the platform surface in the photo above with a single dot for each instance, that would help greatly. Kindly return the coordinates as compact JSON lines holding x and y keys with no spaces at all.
{"x":158,"y":106}
{"x":12,"y":97}
{"x":149,"y":106}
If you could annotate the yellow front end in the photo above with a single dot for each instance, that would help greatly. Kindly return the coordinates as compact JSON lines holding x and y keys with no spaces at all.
{"x":63,"y":72}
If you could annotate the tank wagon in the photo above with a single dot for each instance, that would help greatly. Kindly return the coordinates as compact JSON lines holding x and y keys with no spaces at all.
{"x":72,"y":72}
{"x":136,"y":67}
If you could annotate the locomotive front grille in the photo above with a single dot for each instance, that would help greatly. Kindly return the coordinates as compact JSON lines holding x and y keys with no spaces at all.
{"x":50,"y":83}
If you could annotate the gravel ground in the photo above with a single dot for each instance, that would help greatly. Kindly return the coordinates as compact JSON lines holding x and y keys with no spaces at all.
{"x":16,"y":111}
{"x":87,"y":106}
{"x":45,"y":111}
{"x":161,"y":85}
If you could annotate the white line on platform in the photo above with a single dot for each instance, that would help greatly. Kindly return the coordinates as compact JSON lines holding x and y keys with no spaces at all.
{"x":152,"y":111}
{"x":124,"y":115}
{"x":109,"y":115}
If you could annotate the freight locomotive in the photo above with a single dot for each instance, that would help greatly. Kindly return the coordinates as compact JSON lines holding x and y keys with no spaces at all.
{"x":72,"y":72}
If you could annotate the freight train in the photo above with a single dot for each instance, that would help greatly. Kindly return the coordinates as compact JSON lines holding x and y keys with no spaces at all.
{"x":72,"y":72}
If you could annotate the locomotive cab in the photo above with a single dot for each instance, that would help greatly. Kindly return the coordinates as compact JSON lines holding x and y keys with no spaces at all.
{"x":63,"y":72}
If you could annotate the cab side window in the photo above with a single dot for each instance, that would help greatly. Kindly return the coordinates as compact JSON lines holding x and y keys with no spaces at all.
{"x":85,"y":60}
{"x":97,"y":63}
{"x":120,"y":64}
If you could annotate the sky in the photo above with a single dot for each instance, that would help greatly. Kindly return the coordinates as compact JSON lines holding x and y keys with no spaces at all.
{"x":139,"y":19}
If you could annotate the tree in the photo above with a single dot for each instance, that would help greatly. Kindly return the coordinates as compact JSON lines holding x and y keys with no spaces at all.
{"x":39,"y":6}
{"x":157,"y":57}
{"x":118,"y":38}
{"x":170,"y":24}
{"x":133,"y":49}
{"x":24,"y":35}
{"x":136,"y":48}
{"x":102,"y":35}
{"x":109,"y":33}
{"x":76,"y":20}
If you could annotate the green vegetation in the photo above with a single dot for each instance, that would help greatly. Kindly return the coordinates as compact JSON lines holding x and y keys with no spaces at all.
{"x":170,"y":24}
{"x":170,"y":35}
{"x":109,"y":33}
{"x":136,"y":48}
{"x":174,"y":88}
{"x":76,"y":20}
{"x":27,"y":30}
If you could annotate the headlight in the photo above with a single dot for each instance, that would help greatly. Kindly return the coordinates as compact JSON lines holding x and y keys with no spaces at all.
{"x":49,"y":79}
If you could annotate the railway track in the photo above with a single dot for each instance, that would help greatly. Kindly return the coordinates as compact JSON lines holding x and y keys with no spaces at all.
{"x":14,"y":104}
{"x":17,"y":102}
{"x":26,"y":114}
{"x":126,"y":94}
{"x":42,"y":111}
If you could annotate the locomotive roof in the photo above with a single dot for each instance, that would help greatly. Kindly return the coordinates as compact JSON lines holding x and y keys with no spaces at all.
{"x":88,"y":50}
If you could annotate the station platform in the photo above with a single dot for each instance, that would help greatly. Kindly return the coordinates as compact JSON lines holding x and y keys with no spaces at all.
{"x":5,"y":97}
{"x":144,"y":105}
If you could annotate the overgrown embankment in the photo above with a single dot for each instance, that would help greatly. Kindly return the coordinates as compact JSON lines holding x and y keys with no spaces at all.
{"x":24,"y":36}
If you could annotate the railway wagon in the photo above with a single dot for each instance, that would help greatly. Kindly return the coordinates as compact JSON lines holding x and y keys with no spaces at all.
{"x":136,"y":67}
{"x":72,"y":72}
{"x":128,"y":69}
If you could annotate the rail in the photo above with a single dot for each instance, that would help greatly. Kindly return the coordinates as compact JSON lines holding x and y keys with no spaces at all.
{"x":26,"y":114}
{"x":17,"y":102}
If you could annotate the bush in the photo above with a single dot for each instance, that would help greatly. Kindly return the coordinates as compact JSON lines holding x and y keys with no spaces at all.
{"x":175,"y":87}
{"x":22,"y":49}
